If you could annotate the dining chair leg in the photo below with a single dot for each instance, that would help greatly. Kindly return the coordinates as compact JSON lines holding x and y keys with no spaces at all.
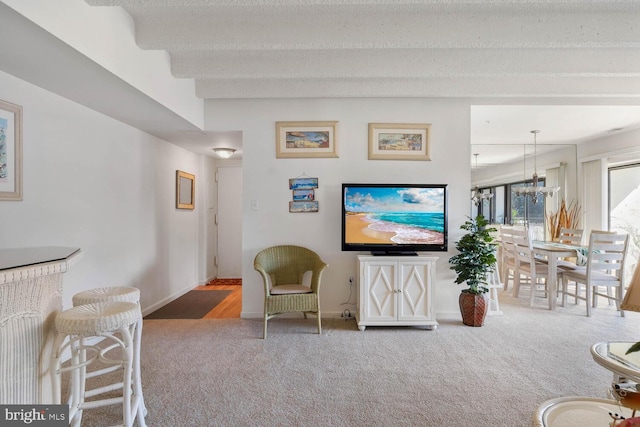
{"x":588,"y":292}
{"x":534,"y":288}
{"x":610,"y":295}
{"x":505,"y":277}
{"x":618,"y":292}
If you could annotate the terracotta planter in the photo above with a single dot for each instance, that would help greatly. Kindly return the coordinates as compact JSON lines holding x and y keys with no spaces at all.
{"x":473,"y":308}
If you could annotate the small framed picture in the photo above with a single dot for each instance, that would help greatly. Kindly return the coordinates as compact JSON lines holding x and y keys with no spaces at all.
{"x":399,"y":141}
{"x":302,"y":207}
{"x":185,"y":190}
{"x":303,"y":195}
{"x":10,"y":151}
{"x":302,"y":183}
{"x":306,"y":139}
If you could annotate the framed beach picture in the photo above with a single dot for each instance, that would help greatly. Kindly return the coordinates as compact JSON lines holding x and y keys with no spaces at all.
{"x":303,"y":207}
{"x":306,"y":139}
{"x":185,"y":190}
{"x":10,"y":151}
{"x":399,"y":141}
{"x":302,"y":183}
{"x":303,"y":195}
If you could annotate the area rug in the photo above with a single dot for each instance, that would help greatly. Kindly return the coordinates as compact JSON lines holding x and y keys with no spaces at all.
{"x":192,"y":305}
{"x":226,"y":282}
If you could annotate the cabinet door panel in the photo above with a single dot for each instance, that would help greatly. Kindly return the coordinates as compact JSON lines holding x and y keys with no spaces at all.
{"x":380,"y":293}
{"x":415,"y":298}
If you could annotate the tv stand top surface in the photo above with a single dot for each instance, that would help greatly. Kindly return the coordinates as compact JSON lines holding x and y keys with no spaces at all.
{"x":394,"y":253}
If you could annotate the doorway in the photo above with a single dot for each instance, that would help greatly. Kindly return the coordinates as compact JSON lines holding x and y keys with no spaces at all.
{"x":229,"y":221}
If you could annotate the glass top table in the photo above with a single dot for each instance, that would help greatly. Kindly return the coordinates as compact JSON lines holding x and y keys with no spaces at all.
{"x":611,"y":355}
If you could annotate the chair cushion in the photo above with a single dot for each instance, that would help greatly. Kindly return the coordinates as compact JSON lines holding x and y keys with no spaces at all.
{"x":580,"y":273}
{"x":290,"y":289}
{"x":568,"y":265}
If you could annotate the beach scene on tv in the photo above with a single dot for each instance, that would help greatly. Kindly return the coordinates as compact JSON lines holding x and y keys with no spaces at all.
{"x":394,"y":215}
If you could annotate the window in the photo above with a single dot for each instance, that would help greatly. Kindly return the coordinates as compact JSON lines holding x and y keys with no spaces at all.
{"x":624,"y":207}
{"x":523,"y":211}
{"x":505,"y":207}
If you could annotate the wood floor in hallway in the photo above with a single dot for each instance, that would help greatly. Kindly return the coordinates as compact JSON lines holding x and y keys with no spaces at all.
{"x":230,"y":307}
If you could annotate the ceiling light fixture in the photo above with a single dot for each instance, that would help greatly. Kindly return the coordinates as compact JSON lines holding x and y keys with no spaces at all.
{"x":533,"y":190}
{"x":477,"y":196}
{"x":224,"y":153}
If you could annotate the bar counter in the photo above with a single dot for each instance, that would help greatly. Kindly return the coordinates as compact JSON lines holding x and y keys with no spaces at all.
{"x":30,"y":298}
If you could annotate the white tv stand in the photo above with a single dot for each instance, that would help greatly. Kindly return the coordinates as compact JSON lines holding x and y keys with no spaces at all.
{"x":396,"y":291}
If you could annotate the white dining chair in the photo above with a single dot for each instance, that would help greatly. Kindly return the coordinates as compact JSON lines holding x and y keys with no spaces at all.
{"x":573,"y":237}
{"x":527,"y":266}
{"x":605,"y":268}
{"x":507,"y":255}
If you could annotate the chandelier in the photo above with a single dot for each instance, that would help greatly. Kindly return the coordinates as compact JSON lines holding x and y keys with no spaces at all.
{"x":478,"y":196}
{"x":535,"y":192}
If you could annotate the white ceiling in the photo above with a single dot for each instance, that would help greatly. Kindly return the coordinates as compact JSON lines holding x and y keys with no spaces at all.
{"x":499,"y":131}
{"x":574,"y":64}
{"x":395,"y":48}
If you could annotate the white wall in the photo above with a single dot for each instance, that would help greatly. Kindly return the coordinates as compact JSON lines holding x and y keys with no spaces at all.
{"x":95,"y":183}
{"x":266,"y":181}
{"x":615,"y":147}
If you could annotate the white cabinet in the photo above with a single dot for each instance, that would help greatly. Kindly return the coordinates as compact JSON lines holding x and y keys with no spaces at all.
{"x":396,"y":291}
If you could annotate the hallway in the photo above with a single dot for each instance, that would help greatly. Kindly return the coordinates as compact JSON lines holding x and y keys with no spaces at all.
{"x":231,"y":306}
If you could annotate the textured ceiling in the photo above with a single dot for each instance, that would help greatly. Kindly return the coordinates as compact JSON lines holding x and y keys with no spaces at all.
{"x":570,"y":68}
{"x":406,"y":48}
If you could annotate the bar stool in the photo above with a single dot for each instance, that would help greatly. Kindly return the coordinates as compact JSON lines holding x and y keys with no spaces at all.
{"x":107,"y":294}
{"x":117,"y":322}
{"x":110,"y":294}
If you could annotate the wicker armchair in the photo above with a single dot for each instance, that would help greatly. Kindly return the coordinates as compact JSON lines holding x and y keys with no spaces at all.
{"x":291,"y":276}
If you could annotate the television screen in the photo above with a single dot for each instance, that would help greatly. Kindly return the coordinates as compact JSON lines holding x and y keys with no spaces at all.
{"x":394,"y":218}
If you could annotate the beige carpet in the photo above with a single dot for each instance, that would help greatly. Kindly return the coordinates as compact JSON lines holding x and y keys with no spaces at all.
{"x":220,"y":372}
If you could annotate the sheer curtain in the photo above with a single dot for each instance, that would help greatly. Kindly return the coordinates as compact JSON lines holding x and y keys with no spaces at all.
{"x":594,"y":195}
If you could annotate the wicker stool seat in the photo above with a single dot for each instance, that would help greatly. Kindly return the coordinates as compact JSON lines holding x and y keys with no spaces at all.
{"x":108,"y":294}
{"x":119,"y":324}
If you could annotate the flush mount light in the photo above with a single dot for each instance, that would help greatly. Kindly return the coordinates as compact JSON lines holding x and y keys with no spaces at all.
{"x":224,"y":153}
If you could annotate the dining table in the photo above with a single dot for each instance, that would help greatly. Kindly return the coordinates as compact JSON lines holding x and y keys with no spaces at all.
{"x":552,"y":252}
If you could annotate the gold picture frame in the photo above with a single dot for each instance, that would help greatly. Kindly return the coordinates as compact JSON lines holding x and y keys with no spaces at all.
{"x":185,"y":190}
{"x":10,"y":151}
{"x":306,"y":139}
{"x":399,"y":141}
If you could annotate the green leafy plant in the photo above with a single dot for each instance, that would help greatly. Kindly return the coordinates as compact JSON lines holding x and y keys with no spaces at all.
{"x":634,"y":348}
{"x":477,"y":255}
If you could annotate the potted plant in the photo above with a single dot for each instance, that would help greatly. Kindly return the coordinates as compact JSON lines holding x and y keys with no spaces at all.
{"x":475,"y":260}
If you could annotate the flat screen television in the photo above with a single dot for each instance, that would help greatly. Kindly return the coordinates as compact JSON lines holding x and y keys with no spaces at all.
{"x":394,"y":219}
